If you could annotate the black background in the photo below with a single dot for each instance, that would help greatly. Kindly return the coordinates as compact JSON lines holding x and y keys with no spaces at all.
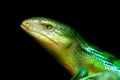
{"x":98,"y":25}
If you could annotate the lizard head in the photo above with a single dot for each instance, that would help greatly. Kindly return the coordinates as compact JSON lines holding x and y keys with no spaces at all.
{"x":52,"y":35}
{"x":58,"y":39}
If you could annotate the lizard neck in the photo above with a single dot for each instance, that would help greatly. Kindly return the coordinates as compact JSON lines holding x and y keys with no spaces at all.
{"x":73,"y":57}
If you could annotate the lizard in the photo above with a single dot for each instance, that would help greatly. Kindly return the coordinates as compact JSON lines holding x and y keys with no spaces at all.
{"x":83,"y":60}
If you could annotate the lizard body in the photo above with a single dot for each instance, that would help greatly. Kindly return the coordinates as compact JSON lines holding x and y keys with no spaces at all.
{"x":70,"y":49}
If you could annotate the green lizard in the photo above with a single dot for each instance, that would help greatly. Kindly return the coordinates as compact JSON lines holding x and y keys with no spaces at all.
{"x":83,"y":60}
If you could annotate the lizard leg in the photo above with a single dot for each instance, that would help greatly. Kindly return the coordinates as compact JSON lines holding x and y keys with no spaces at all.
{"x":103,"y":76}
{"x":83,"y":72}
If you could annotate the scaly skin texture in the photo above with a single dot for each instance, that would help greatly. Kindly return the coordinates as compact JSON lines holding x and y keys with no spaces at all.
{"x":69,"y":49}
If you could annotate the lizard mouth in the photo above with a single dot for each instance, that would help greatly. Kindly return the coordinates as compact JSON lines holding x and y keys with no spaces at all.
{"x":30,"y":31}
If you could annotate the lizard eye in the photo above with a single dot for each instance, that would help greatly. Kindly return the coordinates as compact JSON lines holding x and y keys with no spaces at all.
{"x":46,"y":26}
